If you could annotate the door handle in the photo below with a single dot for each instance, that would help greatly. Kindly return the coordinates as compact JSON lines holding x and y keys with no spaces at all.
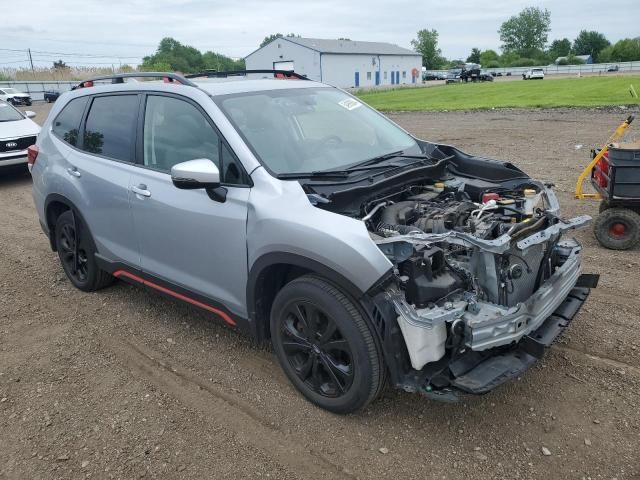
{"x":141,"y":189}
{"x":73,"y":171}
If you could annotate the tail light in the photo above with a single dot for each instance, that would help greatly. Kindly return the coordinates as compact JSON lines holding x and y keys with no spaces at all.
{"x":32,"y":154}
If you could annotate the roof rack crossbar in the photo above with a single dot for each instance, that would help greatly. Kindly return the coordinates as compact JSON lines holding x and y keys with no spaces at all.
{"x":234,"y":73}
{"x":119,"y":78}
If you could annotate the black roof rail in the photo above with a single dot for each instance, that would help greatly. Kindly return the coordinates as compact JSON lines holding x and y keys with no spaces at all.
{"x":238,"y":73}
{"x":119,"y":78}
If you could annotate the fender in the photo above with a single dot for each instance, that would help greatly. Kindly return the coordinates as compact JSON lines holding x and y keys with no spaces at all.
{"x":56,"y":197}
{"x":274,"y":258}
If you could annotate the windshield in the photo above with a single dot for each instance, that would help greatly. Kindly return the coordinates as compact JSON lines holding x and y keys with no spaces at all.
{"x":312,"y":129}
{"x":8,"y":113}
{"x":10,"y":90}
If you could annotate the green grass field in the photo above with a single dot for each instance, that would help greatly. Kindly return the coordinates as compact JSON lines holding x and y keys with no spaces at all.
{"x":566,"y":92}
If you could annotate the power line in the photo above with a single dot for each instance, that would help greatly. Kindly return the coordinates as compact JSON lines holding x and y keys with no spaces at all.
{"x":88,"y":55}
{"x":17,"y":61}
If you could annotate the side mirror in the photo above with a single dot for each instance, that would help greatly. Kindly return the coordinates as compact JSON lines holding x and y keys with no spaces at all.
{"x":194,"y":174}
{"x":30,"y":114}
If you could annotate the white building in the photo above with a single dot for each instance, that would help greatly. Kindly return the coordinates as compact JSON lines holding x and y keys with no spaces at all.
{"x":342,"y":63}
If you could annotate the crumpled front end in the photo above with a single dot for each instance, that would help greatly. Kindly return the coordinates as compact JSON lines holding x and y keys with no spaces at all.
{"x":481,"y":285}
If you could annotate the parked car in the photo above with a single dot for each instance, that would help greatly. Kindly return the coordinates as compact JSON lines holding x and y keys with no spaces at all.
{"x":298,"y":214}
{"x":453,"y":75}
{"x":14,"y":97}
{"x":427,"y":76}
{"x":485,"y":76}
{"x":508,"y":74}
{"x":613,"y":68}
{"x":51,"y":96}
{"x":17,"y":132}
{"x":533,"y":74}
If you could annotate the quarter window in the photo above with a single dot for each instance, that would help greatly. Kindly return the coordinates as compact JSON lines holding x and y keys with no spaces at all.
{"x":110,"y":127}
{"x":67,"y":123}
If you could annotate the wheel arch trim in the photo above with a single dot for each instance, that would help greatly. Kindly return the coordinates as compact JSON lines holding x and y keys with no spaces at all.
{"x":262,"y":263}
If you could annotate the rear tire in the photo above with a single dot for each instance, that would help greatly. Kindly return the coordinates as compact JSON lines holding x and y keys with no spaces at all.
{"x":83,"y":271}
{"x":604,"y":205}
{"x":617,"y":228}
{"x":325,"y":346}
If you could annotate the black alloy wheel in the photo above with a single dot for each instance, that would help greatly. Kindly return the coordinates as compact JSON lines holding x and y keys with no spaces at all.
{"x":76,"y":252}
{"x":325,"y":345}
{"x":72,"y":255}
{"x":316,"y":349}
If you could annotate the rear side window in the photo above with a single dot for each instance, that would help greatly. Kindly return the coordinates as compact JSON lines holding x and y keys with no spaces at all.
{"x":110,"y":127}
{"x":67,"y":123}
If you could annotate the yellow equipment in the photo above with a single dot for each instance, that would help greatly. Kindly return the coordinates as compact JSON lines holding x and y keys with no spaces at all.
{"x":619,"y":132}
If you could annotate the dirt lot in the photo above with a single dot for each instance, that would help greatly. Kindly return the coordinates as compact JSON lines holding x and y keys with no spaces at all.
{"x":125,"y":384}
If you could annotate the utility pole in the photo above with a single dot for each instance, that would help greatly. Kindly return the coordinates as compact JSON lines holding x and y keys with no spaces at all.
{"x":30,"y":59}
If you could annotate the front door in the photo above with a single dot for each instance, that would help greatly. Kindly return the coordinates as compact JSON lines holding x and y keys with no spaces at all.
{"x":186,"y":238}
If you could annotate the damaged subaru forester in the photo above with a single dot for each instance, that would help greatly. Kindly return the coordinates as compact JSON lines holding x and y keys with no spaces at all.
{"x":300,"y":215}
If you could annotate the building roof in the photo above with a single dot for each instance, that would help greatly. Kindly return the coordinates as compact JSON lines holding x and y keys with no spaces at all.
{"x":324,"y":45}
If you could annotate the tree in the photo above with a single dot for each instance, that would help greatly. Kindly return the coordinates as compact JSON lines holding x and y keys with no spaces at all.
{"x":475,"y":56}
{"x":508,"y":59}
{"x":427,"y":45}
{"x":559,"y":48}
{"x":590,"y":43}
{"x":60,"y":65}
{"x":171,"y":55}
{"x":526,"y":32}
{"x":489,"y":57}
{"x":273,"y":36}
{"x":625,"y":50}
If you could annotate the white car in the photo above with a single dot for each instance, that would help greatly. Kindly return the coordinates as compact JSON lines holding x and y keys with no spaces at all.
{"x":14,"y":96}
{"x":17,"y":133}
{"x":533,"y":74}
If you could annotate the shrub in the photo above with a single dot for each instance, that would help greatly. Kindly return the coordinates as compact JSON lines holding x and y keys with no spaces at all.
{"x":524,"y":62}
{"x":493,"y":64}
{"x":573,"y":60}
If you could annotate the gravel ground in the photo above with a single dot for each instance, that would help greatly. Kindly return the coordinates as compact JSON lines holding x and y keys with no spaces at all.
{"x":125,"y":384}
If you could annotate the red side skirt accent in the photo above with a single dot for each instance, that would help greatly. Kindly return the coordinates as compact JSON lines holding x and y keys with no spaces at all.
{"x":124,"y":273}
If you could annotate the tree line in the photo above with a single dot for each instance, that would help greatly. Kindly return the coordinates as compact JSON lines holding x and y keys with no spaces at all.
{"x":525,"y":43}
{"x":172,"y":55}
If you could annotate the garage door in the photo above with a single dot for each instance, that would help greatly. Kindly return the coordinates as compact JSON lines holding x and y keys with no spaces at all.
{"x":288,"y":65}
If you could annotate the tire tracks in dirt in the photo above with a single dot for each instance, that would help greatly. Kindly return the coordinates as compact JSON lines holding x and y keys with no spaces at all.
{"x":606,"y":361}
{"x":225,"y":409}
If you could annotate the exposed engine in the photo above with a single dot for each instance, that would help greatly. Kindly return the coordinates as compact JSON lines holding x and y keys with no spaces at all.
{"x":431,"y":273}
{"x":467,"y":261}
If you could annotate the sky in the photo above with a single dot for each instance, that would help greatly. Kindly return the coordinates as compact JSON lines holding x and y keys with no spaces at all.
{"x":106,"y":32}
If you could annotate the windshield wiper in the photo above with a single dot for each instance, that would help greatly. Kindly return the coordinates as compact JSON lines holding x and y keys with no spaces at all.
{"x":318,"y":174}
{"x":382,"y":158}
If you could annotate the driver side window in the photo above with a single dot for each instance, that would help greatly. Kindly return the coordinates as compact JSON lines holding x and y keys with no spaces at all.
{"x":175,"y":131}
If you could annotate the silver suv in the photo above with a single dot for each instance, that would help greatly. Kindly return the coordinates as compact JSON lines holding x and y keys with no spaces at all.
{"x":299,"y":215}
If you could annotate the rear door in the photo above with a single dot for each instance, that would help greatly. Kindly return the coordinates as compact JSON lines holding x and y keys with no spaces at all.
{"x":99,"y":167}
{"x":188,"y":239}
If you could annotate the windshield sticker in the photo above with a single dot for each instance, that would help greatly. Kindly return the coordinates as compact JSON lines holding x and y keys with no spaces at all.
{"x":349,"y":103}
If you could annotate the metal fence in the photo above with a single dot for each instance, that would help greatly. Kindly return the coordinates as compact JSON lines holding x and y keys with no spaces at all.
{"x":567,"y":69}
{"x":36,"y":88}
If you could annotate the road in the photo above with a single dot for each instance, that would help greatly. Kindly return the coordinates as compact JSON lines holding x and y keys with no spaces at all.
{"x":125,"y":384}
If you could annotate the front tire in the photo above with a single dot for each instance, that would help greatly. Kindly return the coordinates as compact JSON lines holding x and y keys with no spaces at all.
{"x":79,"y":264}
{"x":325,"y":346}
{"x":617,"y":228}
